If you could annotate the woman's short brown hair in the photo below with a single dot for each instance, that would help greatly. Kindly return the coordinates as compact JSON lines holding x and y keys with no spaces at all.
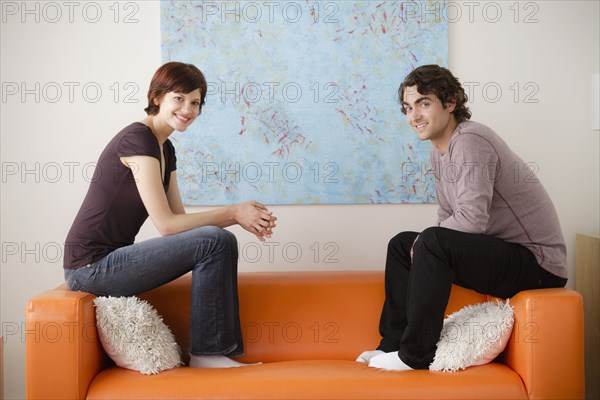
{"x":433,"y":79}
{"x":175,"y":77}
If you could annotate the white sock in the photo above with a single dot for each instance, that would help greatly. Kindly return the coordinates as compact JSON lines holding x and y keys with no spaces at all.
{"x":389,"y":361}
{"x":215,"y":362}
{"x":366,"y":356}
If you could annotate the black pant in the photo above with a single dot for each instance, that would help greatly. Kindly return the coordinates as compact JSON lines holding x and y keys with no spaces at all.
{"x":417,"y":292}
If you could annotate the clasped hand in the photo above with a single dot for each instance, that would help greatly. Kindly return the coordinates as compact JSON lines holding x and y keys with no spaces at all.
{"x":255,"y":218}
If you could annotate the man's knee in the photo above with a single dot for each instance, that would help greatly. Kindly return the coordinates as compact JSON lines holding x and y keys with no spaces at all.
{"x":399,"y":246}
{"x":401,"y":239}
{"x":430,"y":238}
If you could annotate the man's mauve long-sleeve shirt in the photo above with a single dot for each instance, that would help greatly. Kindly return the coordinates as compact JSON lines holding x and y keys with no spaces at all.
{"x":484,"y":187}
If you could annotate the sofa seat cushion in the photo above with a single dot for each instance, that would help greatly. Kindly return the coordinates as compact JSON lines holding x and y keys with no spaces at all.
{"x":314,"y":379}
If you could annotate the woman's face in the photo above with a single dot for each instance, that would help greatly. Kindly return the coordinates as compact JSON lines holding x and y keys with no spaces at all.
{"x":179,"y":110}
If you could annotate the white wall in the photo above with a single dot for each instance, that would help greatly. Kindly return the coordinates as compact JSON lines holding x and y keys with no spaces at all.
{"x":551,"y":59}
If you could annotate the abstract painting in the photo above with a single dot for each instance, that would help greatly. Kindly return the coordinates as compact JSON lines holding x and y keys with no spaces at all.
{"x":302,"y":105}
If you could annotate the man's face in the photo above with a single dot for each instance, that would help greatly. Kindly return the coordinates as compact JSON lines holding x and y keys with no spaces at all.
{"x":427,"y":116}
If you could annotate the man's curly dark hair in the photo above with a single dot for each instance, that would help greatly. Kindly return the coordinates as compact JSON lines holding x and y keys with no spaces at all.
{"x":433,"y":79}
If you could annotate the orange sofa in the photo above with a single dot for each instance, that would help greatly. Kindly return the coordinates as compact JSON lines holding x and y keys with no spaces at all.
{"x":307,"y":328}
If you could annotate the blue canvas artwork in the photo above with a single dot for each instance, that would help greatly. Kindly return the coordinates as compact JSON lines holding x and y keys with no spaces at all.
{"x":302,"y":105}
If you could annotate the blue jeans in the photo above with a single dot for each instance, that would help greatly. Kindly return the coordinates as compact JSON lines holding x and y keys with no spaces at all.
{"x":209,"y":252}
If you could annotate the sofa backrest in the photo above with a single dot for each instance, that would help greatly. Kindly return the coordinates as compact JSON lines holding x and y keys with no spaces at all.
{"x":299,"y":315}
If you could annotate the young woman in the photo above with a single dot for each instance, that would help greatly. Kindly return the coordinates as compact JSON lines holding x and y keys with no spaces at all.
{"x":135,"y":178}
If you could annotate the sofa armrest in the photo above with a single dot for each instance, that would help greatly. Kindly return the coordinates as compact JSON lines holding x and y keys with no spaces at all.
{"x":546,"y":346}
{"x":63,"y":352}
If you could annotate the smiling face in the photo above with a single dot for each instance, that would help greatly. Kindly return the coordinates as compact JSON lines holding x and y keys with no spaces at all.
{"x":429,"y":118}
{"x":177,"y":111}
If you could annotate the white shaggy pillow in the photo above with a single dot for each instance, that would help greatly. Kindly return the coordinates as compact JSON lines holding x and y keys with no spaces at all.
{"x":134,"y":336}
{"x":474,"y":335}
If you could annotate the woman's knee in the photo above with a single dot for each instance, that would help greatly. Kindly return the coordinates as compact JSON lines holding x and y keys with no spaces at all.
{"x":220,"y":239}
{"x":216,"y":244}
{"x":217,"y":234}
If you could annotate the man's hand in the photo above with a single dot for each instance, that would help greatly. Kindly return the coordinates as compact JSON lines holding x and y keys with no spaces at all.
{"x":412,"y":247}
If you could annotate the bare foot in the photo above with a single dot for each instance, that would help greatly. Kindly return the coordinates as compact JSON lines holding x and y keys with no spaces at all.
{"x":215,"y":362}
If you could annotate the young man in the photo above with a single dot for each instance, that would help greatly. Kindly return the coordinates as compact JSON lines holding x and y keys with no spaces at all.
{"x":497,"y":231}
